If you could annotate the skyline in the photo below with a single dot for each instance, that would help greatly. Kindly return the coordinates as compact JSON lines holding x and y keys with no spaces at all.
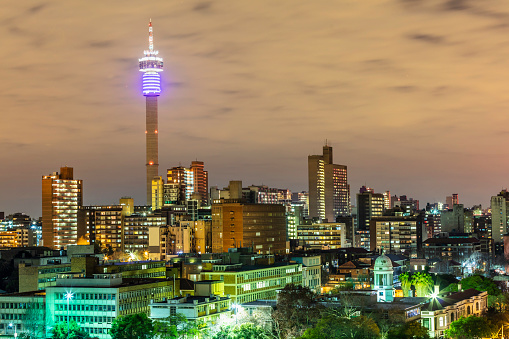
{"x":410,"y":95}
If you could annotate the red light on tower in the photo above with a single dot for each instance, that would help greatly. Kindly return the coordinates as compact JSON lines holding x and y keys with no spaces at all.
{"x":151,"y":163}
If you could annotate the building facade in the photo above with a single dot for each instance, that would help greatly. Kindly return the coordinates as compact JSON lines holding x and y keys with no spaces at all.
{"x":311,"y":272}
{"x":329,"y":192}
{"x":499,"y":215}
{"x":246,"y":283}
{"x":62,"y":196}
{"x":458,"y":249}
{"x":369,"y":205}
{"x":322,"y":235}
{"x":236,"y":224}
{"x":437,"y":315}
{"x":96,"y":301}
{"x":397,"y":235}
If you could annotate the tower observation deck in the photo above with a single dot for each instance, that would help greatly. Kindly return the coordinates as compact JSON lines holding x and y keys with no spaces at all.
{"x":151,"y":65}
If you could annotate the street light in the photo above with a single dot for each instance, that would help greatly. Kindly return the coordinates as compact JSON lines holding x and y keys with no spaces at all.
{"x":68,"y":296}
{"x":15,"y":332}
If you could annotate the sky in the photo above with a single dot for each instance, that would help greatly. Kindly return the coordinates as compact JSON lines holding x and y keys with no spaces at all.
{"x":411,"y":94}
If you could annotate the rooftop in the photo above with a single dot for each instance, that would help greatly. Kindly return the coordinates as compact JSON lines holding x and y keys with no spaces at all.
{"x":439,"y":303}
{"x":452,"y":241}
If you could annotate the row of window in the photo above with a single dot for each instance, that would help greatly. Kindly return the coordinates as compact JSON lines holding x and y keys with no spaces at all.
{"x":86,"y":319}
{"x":96,"y":308}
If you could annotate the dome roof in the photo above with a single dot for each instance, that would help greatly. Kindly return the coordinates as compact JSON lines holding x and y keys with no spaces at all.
{"x":383,"y":261}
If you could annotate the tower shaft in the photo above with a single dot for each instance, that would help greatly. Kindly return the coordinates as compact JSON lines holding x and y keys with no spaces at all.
{"x":152,"y":144}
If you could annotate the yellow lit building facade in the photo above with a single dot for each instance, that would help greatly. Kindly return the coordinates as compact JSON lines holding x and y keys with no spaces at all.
{"x":249,"y":283}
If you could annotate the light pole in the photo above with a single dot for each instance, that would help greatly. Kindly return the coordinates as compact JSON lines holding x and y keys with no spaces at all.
{"x":15,"y":332}
{"x":68,"y":296}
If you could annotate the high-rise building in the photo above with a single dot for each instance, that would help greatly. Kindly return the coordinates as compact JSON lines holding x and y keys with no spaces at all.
{"x":62,"y":196}
{"x":452,"y":200}
{"x":369,"y":205}
{"x":151,"y":65}
{"x":387,"y":200}
{"x":457,"y":219}
{"x":186,"y":183}
{"x":201,"y":181}
{"x":157,"y":193}
{"x":397,"y":234}
{"x":499,"y":215}
{"x":329,"y":192}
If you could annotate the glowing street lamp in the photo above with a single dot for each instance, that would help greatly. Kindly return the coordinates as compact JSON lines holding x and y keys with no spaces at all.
{"x":15,"y":332}
{"x":68,"y":296}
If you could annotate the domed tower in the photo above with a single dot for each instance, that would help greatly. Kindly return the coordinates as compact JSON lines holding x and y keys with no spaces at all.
{"x":383,"y":279}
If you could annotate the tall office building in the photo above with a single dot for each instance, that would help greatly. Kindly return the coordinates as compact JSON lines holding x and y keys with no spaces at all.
{"x":62,"y":196}
{"x":452,"y":200}
{"x":157,"y":193}
{"x":201,"y":181}
{"x":151,"y":65}
{"x":369,"y":205}
{"x":387,"y":200}
{"x":329,"y":192}
{"x":499,"y":215}
{"x":183,"y":183}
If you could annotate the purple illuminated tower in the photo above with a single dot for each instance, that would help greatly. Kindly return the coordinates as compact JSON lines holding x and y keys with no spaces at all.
{"x":151,"y":65}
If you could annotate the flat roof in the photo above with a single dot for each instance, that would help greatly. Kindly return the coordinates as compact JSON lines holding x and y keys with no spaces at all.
{"x":254,"y":267}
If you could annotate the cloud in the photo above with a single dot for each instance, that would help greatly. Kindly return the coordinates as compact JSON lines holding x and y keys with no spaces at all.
{"x":202,"y":6}
{"x":36,"y":9}
{"x":101,"y":44}
{"x":429,"y":38}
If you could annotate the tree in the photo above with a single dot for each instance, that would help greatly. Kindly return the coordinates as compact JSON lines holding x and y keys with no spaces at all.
{"x":360,"y":327}
{"x":406,"y":283}
{"x":347,"y":286}
{"x":75,"y":331}
{"x":471,"y":328}
{"x":175,"y":327}
{"x":297,"y":310}
{"x":134,"y":326}
{"x":481,"y":284}
{"x":444,"y":280}
{"x":34,"y":321}
{"x":423,"y":284}
{"x":409,"y":330}
{"x":242,"y":331}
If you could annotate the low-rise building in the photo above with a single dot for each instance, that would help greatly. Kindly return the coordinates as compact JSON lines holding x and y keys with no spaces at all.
{"x":457,"y":249}
{"x":311,"y":272}
{"x":245,"y":283}
{"x":25,"y":311}
{"x":441,"y":311}
{"x":33,"y":278}
{"x":17,"y":237}
{"x":94,"y":302}
{"x":205,"y":307}
{"x":355,"y":272}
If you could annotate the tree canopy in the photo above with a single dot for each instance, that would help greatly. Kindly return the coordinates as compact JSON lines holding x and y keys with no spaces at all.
{"x":481,"y":284}
{"x":335,"y":328}
{"x":471,"y":328}
{"x":423,"y":283}
{"x":409,"y":330}
{"x":297,"y":310}
{"x":75,"y":331}
{"x":242,"y":331}
{"x":134,"y":326}
{"x":174,"y":327}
